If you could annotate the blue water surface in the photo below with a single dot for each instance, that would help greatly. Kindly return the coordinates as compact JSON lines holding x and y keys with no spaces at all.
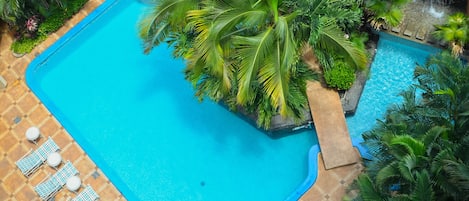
{"x":392,"y":72}
{"x":138,"y":119}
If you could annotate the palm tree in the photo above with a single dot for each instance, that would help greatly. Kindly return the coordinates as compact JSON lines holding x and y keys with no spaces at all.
{"x":385,"y":13}
{"x":444,"y":81}
{"x":165,"y":21}
{"x":248,"y":53}
{"x":418,"y":169}
{"x":420,"y":148}
{"x":455,"y":32}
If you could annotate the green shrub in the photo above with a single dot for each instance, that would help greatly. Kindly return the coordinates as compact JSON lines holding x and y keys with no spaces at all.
{"x":340,"y":76}
{"x":60,"y":16}
{"x":52,"y":23}
{"x":75,"y":6}
{"x":25,"y":45}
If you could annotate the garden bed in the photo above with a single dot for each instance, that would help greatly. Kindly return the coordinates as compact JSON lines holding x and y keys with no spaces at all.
{"x":38,"y":27}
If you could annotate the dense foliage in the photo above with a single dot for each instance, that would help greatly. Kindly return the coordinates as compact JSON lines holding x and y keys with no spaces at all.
{"x":249,"y":53}
{"x":16,"y":12}
{"x":421,"y":148}
{"x":43,"y":22}
{"x":385,"y":13}
{"x":455,"y":32}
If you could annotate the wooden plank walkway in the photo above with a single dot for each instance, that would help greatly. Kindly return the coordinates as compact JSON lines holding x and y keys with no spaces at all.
{"x":329,"y":121}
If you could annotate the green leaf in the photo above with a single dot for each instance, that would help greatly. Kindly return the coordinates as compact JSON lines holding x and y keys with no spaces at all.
{"x":423,"y":187}
{"x":446,"y":91}
{"x":252,"y":51}
{"x":368,"y":192}
{"x":387,"y":173}
{"x":408,"y":145}
{"x":332,"y":39}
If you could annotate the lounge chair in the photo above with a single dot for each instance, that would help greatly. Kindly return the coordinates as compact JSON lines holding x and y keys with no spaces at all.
{"x":53,"y":184}
{"x":88,"y":194}
{"x":33,"y":159}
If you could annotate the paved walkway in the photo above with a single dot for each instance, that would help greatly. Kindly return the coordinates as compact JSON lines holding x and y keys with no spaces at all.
{"x":20,"y":109}
{"x":331,"y":128}
{"x":329,"y":121}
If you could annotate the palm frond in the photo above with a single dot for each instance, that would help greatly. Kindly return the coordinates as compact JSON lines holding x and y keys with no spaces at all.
{"x":407,"y":145}
{"x":275,"y":75}
{"x":252,"y":51}
{"x":423,"y":188}
{"x":331,"y":38}
{"x":458,"y":174}
{"x":367,"y":189}
{"x":406,"y":166}
{"x":387,"y":173}
{"x":163,"y":18}
{"x":11,"y":10}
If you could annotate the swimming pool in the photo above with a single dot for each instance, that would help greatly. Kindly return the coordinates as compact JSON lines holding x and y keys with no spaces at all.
{"x":392,"y":71}
{"x":138,"y":119}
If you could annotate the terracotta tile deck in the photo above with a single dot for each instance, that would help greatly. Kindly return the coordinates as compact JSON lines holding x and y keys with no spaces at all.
{"x":20,"y":109}
{"x":332,"y":184}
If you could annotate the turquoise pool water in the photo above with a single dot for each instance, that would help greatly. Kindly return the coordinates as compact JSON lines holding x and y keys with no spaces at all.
{"x":137,"y":117}
{"x":391,"y":72}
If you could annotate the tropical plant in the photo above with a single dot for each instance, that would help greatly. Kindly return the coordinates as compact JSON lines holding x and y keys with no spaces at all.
{"x":248,"y":53}
{"x":165,"y":22}
{"x":420,"y":148}
{"x":36,"y":28}
{"x":385,"y":13}
{"x":10,"y":11}
{"x":455,"y":31}
{"x":13,"y":11}
{"x":341,"y":76}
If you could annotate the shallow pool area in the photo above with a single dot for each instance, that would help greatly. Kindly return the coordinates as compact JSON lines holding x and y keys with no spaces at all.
{"x":139,"y":120}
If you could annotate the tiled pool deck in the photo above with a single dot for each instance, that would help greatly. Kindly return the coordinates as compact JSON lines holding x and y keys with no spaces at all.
{"x":20,"y":109}
{"x":332,"y":184}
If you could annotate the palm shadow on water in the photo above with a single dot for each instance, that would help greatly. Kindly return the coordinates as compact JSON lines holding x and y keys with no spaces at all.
{"x":205,"y":118}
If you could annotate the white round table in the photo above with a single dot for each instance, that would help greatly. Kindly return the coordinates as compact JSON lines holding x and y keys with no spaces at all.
{"x":54,"y":159}
{"x":32,"y":133}
{"x":73,"y":183}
